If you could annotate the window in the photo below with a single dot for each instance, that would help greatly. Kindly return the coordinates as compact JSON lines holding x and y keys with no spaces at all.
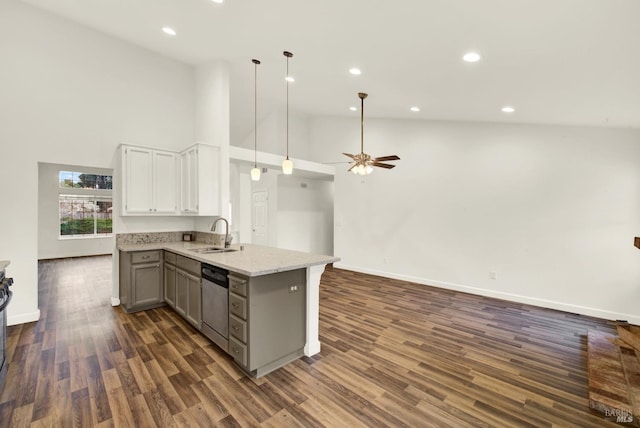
{"x":85,"y":216}
{"x":85,"y":208}
{"x":81,"y":180}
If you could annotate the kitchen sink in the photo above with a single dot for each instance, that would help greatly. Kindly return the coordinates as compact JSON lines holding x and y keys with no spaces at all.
{"x":213,"y":250}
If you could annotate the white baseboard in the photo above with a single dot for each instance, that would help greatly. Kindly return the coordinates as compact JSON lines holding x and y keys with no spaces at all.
{"x":23,"y":318}
{"x":534,"y":301}
{"x":115,"y":301}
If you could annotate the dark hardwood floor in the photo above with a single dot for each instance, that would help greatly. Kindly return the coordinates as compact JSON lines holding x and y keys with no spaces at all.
{"x":393,"y":354}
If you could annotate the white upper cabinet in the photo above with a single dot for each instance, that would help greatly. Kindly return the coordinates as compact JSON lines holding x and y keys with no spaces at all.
{"x":165,"y":184}
{"x":200,"y":180}
{"x":149,"y":179}
{"x":162,"y":182}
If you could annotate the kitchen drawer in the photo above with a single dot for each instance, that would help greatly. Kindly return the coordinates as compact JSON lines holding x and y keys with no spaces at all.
{"x":238,"y":328}
{"x":238,"y":306}
{"x":238,"y":285}
{"x":189,"y":265}
{"x":170,"y":257}
{"x":145,"y":256}
{"x":238,"y":351}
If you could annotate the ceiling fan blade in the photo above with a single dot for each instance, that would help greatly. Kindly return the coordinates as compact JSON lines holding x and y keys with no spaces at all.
{"x":351,"y":156}
{"x":386,"y":158}
{"x":352,"y":166}
{"x":383,"y":165}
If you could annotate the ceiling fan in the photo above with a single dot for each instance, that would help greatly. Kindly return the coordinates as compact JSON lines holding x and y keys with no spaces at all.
{"x":362,"y":162}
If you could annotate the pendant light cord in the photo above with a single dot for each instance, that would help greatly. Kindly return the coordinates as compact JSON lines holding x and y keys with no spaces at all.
{"x":255,"y":113}
{"x":287,"y":79}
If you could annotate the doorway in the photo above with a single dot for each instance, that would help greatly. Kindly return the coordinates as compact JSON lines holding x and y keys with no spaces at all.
{"x":260,"y":218}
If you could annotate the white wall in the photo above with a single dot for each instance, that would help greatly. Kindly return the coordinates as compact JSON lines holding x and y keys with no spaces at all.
{"x":50,"y":246}
{"x":70,"y":95}
{"x":272,"y":135}
{"x":551,"y":210}
{"x":305,"y":214}
{"x":212,"y":118}
{"x":240,"y":196}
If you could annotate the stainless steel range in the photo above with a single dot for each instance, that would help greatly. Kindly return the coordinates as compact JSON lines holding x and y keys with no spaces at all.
{"x":5,"y":298}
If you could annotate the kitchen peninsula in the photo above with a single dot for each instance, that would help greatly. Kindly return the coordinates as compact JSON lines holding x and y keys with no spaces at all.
{"x":271,"y":300}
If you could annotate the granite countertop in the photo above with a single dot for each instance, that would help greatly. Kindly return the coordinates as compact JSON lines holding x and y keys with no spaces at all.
{"x":254,"y":260}
{"x":4,"y":264}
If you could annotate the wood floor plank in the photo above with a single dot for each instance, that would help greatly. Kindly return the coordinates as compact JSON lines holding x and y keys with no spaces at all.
{"x":393,"y":354}
{"x":159,"y":409}
{"x":81,"y":408}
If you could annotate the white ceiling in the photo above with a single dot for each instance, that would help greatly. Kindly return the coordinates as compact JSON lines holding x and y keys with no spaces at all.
{"x":556,"y":61}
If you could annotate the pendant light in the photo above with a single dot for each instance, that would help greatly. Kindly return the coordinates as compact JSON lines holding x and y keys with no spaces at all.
{"x":287,"y":164}
{"x":255,"y":171}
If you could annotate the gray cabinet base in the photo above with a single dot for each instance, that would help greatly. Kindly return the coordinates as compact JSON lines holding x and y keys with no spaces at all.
{"x":139,"y":308}
{"x":274,"y":365}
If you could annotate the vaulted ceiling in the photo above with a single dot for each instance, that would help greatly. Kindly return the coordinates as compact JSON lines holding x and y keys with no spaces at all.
{"x":555,"y":61}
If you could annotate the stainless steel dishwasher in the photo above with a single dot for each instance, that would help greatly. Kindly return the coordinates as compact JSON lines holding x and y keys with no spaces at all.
{"x":215,"y":305}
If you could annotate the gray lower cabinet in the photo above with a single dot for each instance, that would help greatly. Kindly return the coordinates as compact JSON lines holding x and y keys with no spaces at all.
{"x":267,"y":320}
{"x":169,"y":280}
{"x":189,"y":290}
{"x":141,"y":277}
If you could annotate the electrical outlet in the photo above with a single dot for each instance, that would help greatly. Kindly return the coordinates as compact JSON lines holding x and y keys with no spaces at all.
{"x":293,"y":288}
{"x":493,"y":275}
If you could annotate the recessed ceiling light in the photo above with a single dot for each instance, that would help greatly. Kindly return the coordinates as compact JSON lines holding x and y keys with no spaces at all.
{"x":508,"y":109}
{"x":355,"y":71}
{"x":290,"y":79}
{"x":471,"y":57}
{"x":353,"y":108}
{"x":168,"y":30}
{"x":415,"y":109}
{"x":218,"y":1}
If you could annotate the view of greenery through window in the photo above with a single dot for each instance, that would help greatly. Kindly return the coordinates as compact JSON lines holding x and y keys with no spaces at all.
{"x":80,"y":180}
{"x":84,"y":215}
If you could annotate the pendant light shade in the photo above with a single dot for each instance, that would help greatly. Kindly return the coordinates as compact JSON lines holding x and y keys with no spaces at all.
{"x":255,"y":171}
{"x":255,"y":174}
{"x":287,"y":164}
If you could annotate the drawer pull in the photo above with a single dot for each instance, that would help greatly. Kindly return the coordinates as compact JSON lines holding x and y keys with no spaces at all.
{"x":235,"y":327}
{"x":235,"y":305}
{"x":145,"y":257}
{"x":236,"y":350}
{"x":235,"y":287}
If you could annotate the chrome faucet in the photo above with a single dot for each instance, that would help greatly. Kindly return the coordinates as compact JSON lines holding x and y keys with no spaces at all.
{"x":227,"y":238}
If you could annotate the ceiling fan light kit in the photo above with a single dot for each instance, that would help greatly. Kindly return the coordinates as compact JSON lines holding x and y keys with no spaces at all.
{"x":362,"y":162}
